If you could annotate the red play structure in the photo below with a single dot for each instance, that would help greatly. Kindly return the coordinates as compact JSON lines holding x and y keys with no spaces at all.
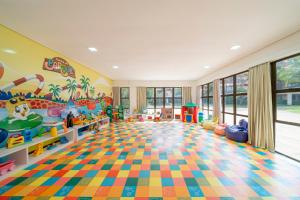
{"x":190,"y":108}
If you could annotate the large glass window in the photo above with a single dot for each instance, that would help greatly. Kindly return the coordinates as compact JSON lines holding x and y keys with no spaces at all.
{"x":160,"y":97}
{"x":124,"y":97}
{"x":207,"y":99}
{"x":234,"y":98}
{"x":286,"y":102}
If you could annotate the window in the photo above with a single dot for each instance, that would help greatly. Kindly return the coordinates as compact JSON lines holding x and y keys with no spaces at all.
{"x":124,"y":97}
{"x":286,"y":105}
{"x":207,"y":99}
{"x":234,"y":98}
{"x":163,"y":97}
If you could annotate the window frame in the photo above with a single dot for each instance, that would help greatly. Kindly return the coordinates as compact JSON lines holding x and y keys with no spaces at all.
{"x":164,"y":98}
{"x":124,"y":98}
{"x":280,"y":91}
{"x":234,"y":95}
{"x":208,"y":96}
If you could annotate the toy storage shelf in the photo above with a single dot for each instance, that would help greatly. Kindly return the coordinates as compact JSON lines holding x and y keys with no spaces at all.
{"x":33,"y":159}
{"x":103,"y":123}
{"x":20,"y":153}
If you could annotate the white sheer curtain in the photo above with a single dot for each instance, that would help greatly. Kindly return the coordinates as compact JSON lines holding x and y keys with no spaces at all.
{"x":141,"y":98}
{"x":186,"y":95}
{"x":217,"y":100}
{"x":116,"y":96}
{"x":261,"y":133}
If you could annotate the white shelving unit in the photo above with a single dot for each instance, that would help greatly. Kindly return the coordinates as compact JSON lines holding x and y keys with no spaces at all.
{"x":21,"y":153}
{"x":103,"y":123}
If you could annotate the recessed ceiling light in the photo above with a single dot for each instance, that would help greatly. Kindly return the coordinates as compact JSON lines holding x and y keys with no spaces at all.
{"x":206,"y":66}
{"x":92,"y":49}
{"x":116,"y":67}
{"x":10,"y":51}
{"x":235,"y":47}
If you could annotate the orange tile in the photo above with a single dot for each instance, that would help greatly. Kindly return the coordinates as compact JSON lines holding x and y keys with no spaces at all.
{"x":116,"y":191}
{"x":142,"y":191}
{"x":182,"y":192}
{"x":155,"y":191}
{"x":77,"y":190}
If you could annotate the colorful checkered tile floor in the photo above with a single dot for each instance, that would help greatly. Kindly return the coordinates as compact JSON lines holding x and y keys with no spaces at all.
{"x":168,"y":160}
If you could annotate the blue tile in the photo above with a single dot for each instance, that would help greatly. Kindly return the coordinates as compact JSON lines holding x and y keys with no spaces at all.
{"x":144,"y":174}
{"x":167,"y":182}
{"x":40,"y":173}
{"x":226,"y":181}
{"x":257,"y":188}
{"x":91,"y":173}
{"x":108,"y":182}
{"x":50,"y":181}
{"x":129,"y":191}
{"x":195,"y":191}
{"x":64,"y":191}
{"x":198,"y":174}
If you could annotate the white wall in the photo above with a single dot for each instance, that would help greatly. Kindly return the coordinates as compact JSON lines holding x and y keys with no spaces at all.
{"x":134,"y":84}
{"x":280,"y":49}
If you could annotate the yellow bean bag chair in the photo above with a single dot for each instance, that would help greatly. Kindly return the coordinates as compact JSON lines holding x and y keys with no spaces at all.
{"x":210,"y":124}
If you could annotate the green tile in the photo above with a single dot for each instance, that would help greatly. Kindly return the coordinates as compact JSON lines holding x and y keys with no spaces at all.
{"x":131,"y":182}
{"x":59,"y":167}
{"x":155,"y":167}
{"x":190,"y":182}
{"x":73,"y":181}
{"x":107,"y":167}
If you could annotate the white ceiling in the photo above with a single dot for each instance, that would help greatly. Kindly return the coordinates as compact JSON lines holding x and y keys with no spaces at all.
{"x":153,"y":39}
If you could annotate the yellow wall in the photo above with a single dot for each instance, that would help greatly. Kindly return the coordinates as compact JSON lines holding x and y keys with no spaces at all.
{"x":29,"y":59}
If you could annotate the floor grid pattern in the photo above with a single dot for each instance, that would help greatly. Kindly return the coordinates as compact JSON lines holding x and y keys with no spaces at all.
{"x":165,"y":160}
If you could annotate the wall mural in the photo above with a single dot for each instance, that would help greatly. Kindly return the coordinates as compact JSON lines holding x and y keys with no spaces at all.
{"x":59,"y":65}
{"x":33,"y":93}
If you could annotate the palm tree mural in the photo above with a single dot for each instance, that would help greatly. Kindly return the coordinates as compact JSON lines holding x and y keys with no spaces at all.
{"x":92,"y":91}
{"x":55,"y":90}
{"x":85,"y":83}
{"x":71,"y":86}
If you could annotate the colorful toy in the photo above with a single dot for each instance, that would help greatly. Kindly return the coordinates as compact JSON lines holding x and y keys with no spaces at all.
{"x":220,"y":129}
{"x":210,"y":124}
{"x":3,"y":137}
{"x":177,"y":116}
{"x":63,"y":140}
{"x":51,"y":146}
{"x":141,"y":119}
{"x":121,"y":112}
{"x":109,"y":112}
{"x":65,"y":128}
{"x":190,"y":108}
{"x":39,"y":149}
{"x":129,"y":119}
{"x":157,"y":117}
{"x":15,"y":140}
{"x":6,"y":167}
{"x":41,"y":132}
{"x":238,"y":133}
{"x":27,"y":135}
{"x":167,"y":113}
{"x":115,"y":116}
{"x":189,"y":118}
{"x":200,"y":116}
{"x":70,"y":121}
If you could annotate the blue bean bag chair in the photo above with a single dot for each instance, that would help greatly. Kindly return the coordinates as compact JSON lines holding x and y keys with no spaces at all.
{"x":238,"y":133}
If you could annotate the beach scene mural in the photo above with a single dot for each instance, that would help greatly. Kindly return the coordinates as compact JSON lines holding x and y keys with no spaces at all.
{"x":39,"y":85}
